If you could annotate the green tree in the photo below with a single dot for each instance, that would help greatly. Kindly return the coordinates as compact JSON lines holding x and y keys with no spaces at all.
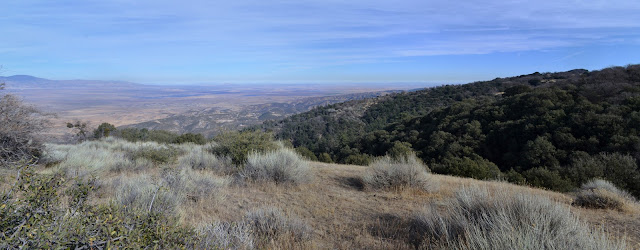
{"x":104,"y":130}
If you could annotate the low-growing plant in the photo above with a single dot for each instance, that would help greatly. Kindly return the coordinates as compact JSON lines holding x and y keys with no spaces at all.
{"x":398,"y":173}
{"x":200,"y":159}
{"x":481,"y":219}
{"x":158,"y":155}
{"x":281,"y":166}
{"x":270,"y":223}
{"x":238,"y":145}
{"x":601,"y":194}
{"x":31,"y":217}
{"x":226,"y":235}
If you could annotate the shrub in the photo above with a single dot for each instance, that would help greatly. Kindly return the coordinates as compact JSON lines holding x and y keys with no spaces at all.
{"x":226,"y":235}
{"x":32,"y":218}
{"x":358,"y":159}
{"x":20,"y":130}
{"x":281,"y":166}
{"x":325,"y":157}
{"x":543,"y":177}
{"x":270,"y":224}
{"x":601,"y":194}
{"x":389,"y":173}
{"x":156,"y":154}
{"x":104,"y":130}
{"x":141,"y":193}
{"x":189,"y":137}
{"x":400,"y":149}
{"x":477,"y":220}
{"x":200,"y":159}
{"x":621,"y":170}
{"x":238,"y":145}
{"x":306,"y":153}
{"x":475,"y":167}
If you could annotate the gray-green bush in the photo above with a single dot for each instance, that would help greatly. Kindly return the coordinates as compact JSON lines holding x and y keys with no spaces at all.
{"x":601,"y":194}
{"x":398,"y":173}
{"x":282,"y":166}
{"x":479,"y":219}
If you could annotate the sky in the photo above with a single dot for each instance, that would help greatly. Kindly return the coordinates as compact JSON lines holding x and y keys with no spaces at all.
{"x":313,"y":41}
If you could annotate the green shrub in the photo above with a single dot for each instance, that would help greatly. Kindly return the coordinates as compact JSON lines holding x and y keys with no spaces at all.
{"x":281,"y":166}
{"x":158,"y":155}
{"x":104,"y":130}
{"x":135,"y":135}
{"x":238,"y":145}
{"x":481,"y":219}
{"x":358,"y":159}
{"x":543,"y":177}
{"x":621,"y":170}
{"x":189,"y":137}
{"x":475,"y":167}
{"x":32,"y":218}
{"x":400,"y":149}
{"x":390,"y":173}
{"x":306,"y":153}
{"x":325,"y":157}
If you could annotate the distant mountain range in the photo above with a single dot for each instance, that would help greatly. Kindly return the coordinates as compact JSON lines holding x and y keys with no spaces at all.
{"x":21,"y":82}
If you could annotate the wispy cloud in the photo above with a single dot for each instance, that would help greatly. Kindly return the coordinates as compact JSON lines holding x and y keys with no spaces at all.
{"x":280,"y":35}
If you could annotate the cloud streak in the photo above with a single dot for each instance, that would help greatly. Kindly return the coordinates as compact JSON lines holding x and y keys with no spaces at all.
{"x":308,"y":34}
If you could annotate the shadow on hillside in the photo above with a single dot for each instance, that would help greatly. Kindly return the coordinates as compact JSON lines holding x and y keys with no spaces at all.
{"x":351,"y":182}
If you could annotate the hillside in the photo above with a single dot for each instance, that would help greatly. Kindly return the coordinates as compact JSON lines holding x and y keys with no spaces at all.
{"x":554,"y":130}
{"x":181,"y":195}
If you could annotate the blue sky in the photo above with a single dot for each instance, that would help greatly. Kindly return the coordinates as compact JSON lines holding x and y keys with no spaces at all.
{"x":314,"y":41}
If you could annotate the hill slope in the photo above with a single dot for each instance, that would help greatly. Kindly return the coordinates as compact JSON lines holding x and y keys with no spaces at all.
{"x":554,"y":130}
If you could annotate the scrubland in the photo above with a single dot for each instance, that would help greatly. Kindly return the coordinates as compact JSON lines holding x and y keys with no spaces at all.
{"x":115,"y":193}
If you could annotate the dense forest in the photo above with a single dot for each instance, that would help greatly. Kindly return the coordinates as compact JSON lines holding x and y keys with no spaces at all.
{"x":554,"y":130}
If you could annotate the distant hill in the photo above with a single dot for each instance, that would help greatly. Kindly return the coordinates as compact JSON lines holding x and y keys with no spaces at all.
{"x":215,"y":119}
{"x":554,"y":130}
{"x":22,"y":82}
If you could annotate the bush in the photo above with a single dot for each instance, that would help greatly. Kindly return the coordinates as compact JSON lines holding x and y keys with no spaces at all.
{"x":389,"y":173}
{"x":104,"y":130}
{"x":281,"y":166}
{"x":474,"y":167}
{"x":225,"y":235}
{"x":601,"y":194}
{"x":32,"y":218}
{"x":270,"y":224}
{"x":621,"y":170}
{"x":543,"y":177}
{"x":158,"y":155}
{"x":238,"y":145}
{"x":200,"y":159}
{"x":189,"y":137}
{"x":20,"y":131}
{"x":135,"y":135}
{"x":358,"y":159}
{"x":477,"y":220}
{"x":325,"y":157}
{"x":306,"y":153}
